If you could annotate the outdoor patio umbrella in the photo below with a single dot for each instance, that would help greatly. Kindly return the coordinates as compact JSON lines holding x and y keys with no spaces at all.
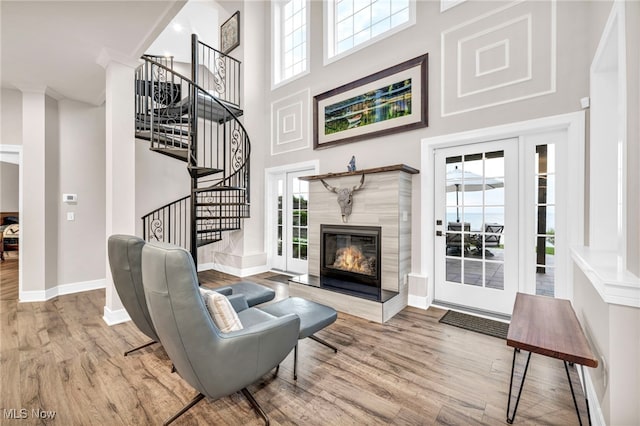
{"x":468,"y":181}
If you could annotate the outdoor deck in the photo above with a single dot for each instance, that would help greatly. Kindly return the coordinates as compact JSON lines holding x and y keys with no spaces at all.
{"x":495,"y":270}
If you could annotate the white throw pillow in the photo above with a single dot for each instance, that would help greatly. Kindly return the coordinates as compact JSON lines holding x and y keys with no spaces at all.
{"x":221,"y":311}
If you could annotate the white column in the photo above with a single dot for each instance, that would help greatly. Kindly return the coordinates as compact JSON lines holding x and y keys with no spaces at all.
{"x":32,"y":229}
{"x":120,"y":164}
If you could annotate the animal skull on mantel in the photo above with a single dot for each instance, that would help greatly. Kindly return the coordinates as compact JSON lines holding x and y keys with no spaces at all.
{"x":345,"y":197}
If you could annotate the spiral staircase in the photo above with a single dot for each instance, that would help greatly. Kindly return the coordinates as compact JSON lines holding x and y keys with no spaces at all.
{"x":196,"y":120}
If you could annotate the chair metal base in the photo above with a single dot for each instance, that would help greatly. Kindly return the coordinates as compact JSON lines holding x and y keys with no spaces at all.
{"x":140,"y":347}
{"x":254,"y":404}
{"x":184,"y":409}
{"x":295,"y":353}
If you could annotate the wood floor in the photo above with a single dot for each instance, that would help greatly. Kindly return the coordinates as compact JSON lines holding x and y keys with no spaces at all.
{"x":60,"y":356}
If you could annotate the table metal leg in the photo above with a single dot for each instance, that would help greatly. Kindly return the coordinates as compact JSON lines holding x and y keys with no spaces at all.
{"x":524,"y":375}
{"x":573,"y":395}
{"x":586,"y":397}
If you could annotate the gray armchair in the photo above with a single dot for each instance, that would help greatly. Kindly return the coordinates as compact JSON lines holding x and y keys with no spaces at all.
{"x":125,"y":253}
{"x":216,"y":364}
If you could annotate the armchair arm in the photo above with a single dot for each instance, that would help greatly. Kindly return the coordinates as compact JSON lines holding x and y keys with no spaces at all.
{"x":226,"y":291}
{"x":238,"y":302}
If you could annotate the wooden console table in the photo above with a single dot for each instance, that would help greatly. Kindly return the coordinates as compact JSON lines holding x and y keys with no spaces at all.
{"x":547,"y":326}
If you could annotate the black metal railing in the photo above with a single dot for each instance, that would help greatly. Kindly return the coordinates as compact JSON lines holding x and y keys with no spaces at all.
{"x":169,"y":223}
{"x":218,"y":74}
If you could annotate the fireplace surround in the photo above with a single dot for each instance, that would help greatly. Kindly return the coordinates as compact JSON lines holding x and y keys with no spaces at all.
{"x":383,"y":203}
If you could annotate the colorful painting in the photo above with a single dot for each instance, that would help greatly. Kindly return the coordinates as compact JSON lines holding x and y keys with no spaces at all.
{"x":385,"y":103}
{"x":390,"y":101}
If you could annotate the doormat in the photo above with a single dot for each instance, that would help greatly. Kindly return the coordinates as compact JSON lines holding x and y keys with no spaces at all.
{"x":280,"y":278}
{"x":477,"y":324}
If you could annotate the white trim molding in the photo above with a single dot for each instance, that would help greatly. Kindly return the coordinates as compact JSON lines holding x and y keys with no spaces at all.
{"x":60,"y":290}
{"x":14,"y":153}
{"x":526,"y":31}
{"x":115,"y":317}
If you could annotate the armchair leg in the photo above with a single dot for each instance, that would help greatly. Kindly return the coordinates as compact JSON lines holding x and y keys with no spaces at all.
{"x":140,"y":347}
{"x":329,"y":345}
{"x":295,"y":362}
{"x":184,"y":409}
{"x":255,"y":405}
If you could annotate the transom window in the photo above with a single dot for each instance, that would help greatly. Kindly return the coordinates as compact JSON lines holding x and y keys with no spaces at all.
{"x":354,"y":23}
{"x":290,"y":39}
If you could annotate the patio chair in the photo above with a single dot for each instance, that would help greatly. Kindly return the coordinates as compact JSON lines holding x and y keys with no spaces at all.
{"x":457,"y":240}
{"x":490,"y":238}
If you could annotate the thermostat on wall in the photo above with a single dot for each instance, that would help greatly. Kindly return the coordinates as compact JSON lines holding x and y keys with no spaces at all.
{"x":69,"y":198}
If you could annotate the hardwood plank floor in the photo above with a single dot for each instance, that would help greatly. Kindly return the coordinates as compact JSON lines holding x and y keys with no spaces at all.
{"x":60,"y":356}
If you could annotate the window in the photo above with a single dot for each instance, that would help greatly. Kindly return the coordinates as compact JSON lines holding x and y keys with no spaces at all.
{"x":353,"y":24}
{"x":290,"y":44}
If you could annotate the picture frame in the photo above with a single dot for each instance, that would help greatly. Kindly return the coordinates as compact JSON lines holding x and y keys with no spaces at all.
{"x":230,"y":33}
{"x":386,"y":102}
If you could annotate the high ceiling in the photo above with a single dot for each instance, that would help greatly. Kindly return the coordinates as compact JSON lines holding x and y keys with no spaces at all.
{"x":56,"y":43}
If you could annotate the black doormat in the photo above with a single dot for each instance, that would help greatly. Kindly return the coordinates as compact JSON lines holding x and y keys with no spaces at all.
{"x":280,"y":278}
{"x":477,"y":324}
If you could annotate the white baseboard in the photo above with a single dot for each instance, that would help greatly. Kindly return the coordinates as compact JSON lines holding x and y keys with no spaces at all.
{"x":597,"y":418}
{"x":231,"y":270}
{"x":115,"y":317}
{"x":50,"y":293}
{"x":421,"y":302}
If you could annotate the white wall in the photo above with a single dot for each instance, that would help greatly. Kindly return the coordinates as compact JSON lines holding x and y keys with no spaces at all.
{"x":159,"y":180}
{"x":9,"y":179}
{"x":81,"y":243}
{"x":11,"y":117}
{"x":571,"y":70}
{"x":196,"y":17}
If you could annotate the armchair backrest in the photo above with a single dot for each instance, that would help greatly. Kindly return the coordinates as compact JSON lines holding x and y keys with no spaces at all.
{"x":125,"y":262}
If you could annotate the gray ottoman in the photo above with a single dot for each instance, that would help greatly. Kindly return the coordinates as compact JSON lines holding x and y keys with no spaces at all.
{"x":313,"y":318}
{"x":255,"y":294}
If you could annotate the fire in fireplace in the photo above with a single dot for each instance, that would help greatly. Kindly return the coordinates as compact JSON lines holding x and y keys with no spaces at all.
{"x":351,"y":253}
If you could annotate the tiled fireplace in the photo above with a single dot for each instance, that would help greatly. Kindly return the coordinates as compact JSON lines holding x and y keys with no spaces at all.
{"x":360,"y":266}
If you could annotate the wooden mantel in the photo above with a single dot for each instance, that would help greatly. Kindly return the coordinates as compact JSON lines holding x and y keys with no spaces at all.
{"x":394,"y":168}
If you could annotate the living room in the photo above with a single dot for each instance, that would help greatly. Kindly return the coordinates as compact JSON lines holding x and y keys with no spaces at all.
{"x":90,"y":150}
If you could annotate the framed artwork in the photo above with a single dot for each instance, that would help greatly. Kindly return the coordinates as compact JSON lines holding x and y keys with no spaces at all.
{"x":230,"y":33}
{"x":390,"y":101}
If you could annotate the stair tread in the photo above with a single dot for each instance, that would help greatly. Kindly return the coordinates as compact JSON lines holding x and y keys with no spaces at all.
{"x":199,"y":172}
{"x":231,"y":228}
{"x":239,"y":203}
{"x":216,"y":188}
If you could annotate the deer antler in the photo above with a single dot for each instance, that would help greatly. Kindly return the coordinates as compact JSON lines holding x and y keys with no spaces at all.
{"x":329,"y":187}
{"x":359,"y":186}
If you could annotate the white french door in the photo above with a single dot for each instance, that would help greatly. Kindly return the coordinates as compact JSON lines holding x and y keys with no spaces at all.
{"x":477,"y":226}
{"x":289,"y":221}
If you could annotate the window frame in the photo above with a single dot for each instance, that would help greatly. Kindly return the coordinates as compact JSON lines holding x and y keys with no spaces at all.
{"x":329,"y":32}
{"x":277,"y":42}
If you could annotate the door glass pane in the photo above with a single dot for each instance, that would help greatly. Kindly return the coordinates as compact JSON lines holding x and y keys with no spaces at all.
{"x":279,"y":214}
{"x":545,"y":219}
{"x":475,"y":215}
{"x":494,"y":272}
{"x":299,"y":218}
